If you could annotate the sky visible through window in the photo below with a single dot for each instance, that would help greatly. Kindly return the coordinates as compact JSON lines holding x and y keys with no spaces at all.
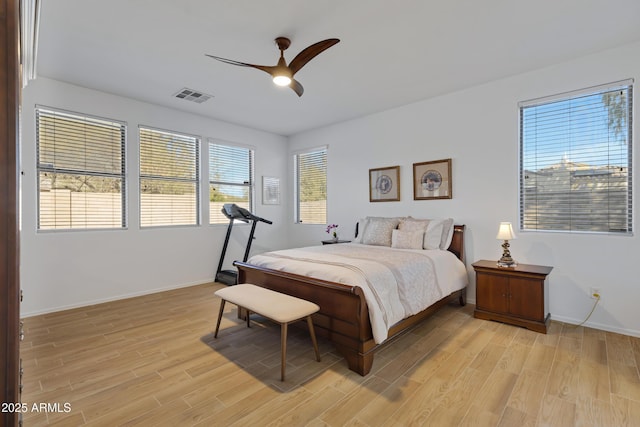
{"x":227,"y":171}
{"x":230,"y":164}
{"x":576,"y":130}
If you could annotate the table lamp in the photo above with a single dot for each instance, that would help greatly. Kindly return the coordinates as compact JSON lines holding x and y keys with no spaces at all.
{"x":505,"y":232}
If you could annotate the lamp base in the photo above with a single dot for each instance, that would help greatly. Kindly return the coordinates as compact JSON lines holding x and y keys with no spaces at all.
{"x":511,"y":263}
{"x":506,"y":260}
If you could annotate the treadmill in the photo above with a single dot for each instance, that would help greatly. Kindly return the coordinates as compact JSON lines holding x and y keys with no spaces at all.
{"x":235,"y":212}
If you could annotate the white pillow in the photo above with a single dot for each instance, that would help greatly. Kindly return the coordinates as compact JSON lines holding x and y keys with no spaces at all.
{"x":447,"y":233}
{"x":406,"y":239}
{"x":433,"y":235}
{"x":379,"y":230}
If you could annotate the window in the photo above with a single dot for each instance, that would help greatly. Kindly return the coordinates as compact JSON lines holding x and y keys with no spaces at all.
{"x":169,"y":178}
{"x":81,"y":171}
{"x":575,"y":161}
{"x":230,"y":179}
{"x":310,"y":170}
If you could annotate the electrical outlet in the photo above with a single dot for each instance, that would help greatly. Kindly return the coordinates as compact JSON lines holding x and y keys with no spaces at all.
{"x":595,"y":293}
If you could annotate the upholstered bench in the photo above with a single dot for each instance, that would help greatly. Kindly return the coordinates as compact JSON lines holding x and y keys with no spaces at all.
{"x":280,"y":308}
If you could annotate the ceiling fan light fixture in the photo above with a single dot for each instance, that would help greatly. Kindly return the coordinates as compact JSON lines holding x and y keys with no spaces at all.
{"x":282,"y":80}
{"x":281,"y":73}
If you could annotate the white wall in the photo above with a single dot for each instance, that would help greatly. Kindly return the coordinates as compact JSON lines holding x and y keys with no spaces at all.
{"x":478,"y":129}
{"x":67,"y":269}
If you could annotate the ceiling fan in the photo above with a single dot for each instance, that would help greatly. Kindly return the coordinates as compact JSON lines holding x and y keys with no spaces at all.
{"x":282,"y":73}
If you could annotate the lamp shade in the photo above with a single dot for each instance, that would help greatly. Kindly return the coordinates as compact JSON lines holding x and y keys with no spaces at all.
{"x":505,"y":232}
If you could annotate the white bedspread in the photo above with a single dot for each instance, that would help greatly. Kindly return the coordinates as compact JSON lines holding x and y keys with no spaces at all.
{"x":397,"y":283}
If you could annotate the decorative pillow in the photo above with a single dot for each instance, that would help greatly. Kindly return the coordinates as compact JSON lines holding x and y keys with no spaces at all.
{"x":433,"y":235}
{"x":406,"y":239}
{"x":379,"y":230}
{"x":411,"y":224}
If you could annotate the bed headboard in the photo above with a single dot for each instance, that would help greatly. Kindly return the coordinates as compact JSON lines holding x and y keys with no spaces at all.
{"x":457,"y":241}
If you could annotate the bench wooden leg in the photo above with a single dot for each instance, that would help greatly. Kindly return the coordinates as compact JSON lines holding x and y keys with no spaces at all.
{"x":283,"y":345}
{"x":313,"y":337}
{"x":248,"y":317}
{"x":215,"y":335}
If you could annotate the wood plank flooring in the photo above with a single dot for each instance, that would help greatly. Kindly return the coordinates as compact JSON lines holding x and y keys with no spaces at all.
{"x":152,"y":361}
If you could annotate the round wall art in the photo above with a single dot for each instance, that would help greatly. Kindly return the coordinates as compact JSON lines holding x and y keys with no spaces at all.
{"x":384,"y":184}
{"x":431,"y":180}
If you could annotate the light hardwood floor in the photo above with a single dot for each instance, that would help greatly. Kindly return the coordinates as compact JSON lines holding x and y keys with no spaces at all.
{"x":152,"y":361}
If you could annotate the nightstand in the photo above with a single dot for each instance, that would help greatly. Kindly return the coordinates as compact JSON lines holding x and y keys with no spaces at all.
{"x":515,"y":295}
{"x":331,"y":242}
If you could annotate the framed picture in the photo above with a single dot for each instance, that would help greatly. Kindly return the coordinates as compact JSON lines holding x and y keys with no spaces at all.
{"x":384,"y":184}
{"x":432,"y":180}
{"x":270,"y":190}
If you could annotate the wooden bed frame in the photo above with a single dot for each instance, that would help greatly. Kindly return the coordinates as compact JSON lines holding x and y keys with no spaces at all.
{"x":343,"y":317}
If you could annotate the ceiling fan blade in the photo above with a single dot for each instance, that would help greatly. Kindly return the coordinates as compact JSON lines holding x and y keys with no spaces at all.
{"x":297,"y":87}
{"x":309,"y":53}
{"x":265,"y":68}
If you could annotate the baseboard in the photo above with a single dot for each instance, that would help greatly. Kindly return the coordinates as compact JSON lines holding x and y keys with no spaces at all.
{"x":115,"y":298}
{"x":563,"y":319}
{"x":595,"y":325}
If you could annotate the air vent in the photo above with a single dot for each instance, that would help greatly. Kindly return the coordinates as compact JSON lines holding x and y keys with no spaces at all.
{"x":192,"y":95}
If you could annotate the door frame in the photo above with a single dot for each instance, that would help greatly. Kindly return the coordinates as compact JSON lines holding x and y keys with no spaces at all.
{"x":9,"y":212}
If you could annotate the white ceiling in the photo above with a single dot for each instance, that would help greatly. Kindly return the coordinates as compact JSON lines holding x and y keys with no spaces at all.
{"x":391,"y":52}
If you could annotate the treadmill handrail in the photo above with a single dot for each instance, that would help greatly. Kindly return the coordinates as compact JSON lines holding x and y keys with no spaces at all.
{"x":233,"y":211}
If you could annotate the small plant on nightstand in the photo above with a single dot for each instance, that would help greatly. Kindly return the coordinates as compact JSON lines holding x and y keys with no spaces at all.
{"x":331,"y":229}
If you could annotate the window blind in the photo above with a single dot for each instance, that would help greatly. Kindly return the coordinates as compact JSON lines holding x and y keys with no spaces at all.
{"x":230,"y":179}
{"x":81,"y":171}
{"x":311,"y":186}
{"x":576,"y":161}
{"x":169,"y":178}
